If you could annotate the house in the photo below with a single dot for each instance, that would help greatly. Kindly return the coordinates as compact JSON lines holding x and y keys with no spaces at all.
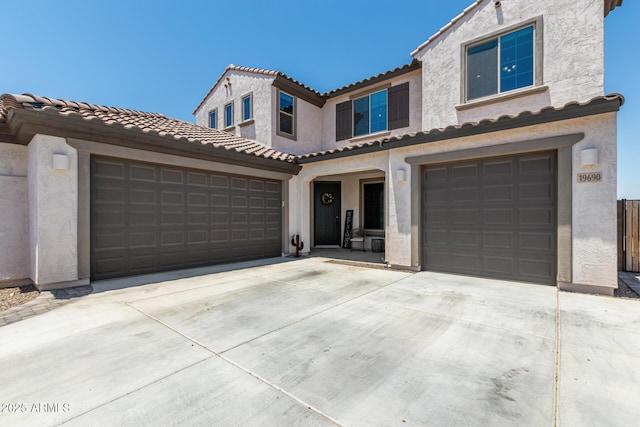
{"x":491,"y":153}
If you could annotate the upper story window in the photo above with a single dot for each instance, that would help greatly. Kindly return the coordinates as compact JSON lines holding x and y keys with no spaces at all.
{"x":503,"y":63}
{"x":370,"y":113}
{"x":213,"y":119}
{"x":228,"y":115}
{"x":247,"y":107}
{"x":286,"y":115}
{"x":376,"y":111}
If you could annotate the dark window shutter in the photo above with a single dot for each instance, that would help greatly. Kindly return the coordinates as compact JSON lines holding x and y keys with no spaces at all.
{"x":399,"y":106}
{"x":343,"y":121}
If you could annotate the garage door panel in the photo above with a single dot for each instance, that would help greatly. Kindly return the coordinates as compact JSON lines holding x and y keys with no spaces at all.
{"x":537,"y":165}
{"x":197,"y":179}
{"x":499,"y":266}
{"x":539,"y":242}
{"x":498,"y":169}
{"x":171,"y":176}
{"x":461,"y":216}
{"x":536,"y":192}
{"x":492,"y":217}
{"x":143,"y":196}
{"x":143,"y":240}
{"x":109,"y":194}
{"x":470,"y":238}
{"x":465,"y":195}
{"x":536,"y":216}
{"x":148,"y":217}
{"x":498,"y":217}
{"x":104,"y":168}
{"x":219,"y":181}
{"x":144,"y":173}
{"x":498,"y":240}
{"x":497,"y":193}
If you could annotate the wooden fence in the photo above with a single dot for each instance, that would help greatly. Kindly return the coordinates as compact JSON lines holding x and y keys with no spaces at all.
{"x":629,"y":235}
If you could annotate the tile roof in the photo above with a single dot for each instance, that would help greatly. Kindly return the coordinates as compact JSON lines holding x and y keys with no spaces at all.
{"x":149,"y":123}
{"x":413,"y":65}
{"x":570,"y":110}
{"x":609,"y":5}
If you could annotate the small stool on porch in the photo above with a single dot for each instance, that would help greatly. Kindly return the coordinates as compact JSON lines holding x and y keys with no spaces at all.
{"x":357,"y":236}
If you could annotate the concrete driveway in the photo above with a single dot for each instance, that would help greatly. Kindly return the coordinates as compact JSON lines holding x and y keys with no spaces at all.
{"x":311,"y":342}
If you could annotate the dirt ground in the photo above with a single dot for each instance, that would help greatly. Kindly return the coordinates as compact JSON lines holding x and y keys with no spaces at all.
{"x":624,"y":291}
{"x":11,"y":297}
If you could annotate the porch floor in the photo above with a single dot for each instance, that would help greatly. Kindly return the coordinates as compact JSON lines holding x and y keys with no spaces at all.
{"x":349,"y":255}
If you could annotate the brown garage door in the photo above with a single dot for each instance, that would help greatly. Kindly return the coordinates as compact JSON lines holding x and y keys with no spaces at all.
{"x":492,"y":218}
{"x":148,"y":217}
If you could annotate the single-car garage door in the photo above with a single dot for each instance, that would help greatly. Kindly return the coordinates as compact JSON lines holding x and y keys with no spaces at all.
{"x":492,"y":218}
{"x":148,"y":217}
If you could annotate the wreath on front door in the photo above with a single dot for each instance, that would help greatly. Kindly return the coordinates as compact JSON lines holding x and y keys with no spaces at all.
{"x":326,"y":198}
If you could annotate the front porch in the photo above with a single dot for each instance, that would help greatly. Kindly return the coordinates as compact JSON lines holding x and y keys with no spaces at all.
{"x":349,"y":255}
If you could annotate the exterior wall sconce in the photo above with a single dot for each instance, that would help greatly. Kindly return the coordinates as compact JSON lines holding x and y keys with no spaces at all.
{"x":60,"y":162}
{"x":401,"y":175}
{"x":590,"y":157}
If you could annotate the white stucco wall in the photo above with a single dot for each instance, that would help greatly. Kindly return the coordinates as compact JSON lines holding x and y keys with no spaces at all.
{"x":593,"y":245}
{"x":573,"y":58}
{"x":14,"y":218}
{"x":308,"y":131}
{"x":53,"y":213}
{"x":242,"y":83}
{"x":415,"y":112}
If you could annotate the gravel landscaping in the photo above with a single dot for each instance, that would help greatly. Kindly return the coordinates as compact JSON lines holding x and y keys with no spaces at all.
{"x":624,"y":291}
{"x":12,"y":297}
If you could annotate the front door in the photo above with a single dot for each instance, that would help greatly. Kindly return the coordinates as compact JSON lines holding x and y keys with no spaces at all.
{"x":326,"y":213}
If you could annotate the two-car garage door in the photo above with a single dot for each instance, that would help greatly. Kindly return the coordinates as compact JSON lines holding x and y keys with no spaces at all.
{"x":492,"y":217}
{"x":147,"y":217}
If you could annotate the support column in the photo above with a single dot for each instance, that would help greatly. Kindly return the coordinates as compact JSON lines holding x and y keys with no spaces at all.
{"x":53,"y":213}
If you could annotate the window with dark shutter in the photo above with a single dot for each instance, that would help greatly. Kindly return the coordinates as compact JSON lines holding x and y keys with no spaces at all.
{"x":343,"y":121}
{"x":399,"y":106}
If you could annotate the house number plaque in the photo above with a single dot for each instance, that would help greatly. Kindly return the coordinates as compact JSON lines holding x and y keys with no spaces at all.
{"x":589,"y":177}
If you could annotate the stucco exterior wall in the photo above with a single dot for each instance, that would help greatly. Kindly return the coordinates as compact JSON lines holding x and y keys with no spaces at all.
{"x":415,"y":112}
{"x":242,"y":83}
{"x":573,"y":58}
{"x":593,"y":224}
{"x":53,"y":213}
{"x":14,"y":220}
{"x":308,"y":132}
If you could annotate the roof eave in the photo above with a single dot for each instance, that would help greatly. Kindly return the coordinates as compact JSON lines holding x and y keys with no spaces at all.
{"x":600,"y":105}
{"x":24,"y":124}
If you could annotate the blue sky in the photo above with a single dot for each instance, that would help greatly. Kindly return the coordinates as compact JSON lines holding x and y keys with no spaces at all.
{"x":163,"y":56}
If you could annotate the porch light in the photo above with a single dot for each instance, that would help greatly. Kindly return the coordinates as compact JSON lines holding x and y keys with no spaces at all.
{"x":401,"y":175}
{"x":589,"y":157}
{"x":60,"y":162}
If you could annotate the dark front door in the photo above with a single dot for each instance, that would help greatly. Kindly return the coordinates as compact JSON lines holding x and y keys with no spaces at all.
{"x":326,"y":213}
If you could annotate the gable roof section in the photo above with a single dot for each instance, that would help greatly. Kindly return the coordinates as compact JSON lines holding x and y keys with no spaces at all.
{"x":407,"y":68}
{"x":288,"y":84}
{"x":609,"y":5}
{"x":306,"y":91}
{"x":149,"y":128}
{"x":571,"y":110}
